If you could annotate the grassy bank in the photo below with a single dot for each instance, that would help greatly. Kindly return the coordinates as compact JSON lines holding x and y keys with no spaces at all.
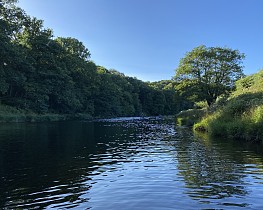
{"x":190,"y":117}
{"x":11,"y":114}
{"x":241,"y":115}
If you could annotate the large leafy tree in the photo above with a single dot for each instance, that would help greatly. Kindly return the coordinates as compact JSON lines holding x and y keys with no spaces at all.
{"x":74,"y":47}
{"x":12,"y":60}
{"x":207,"y":72}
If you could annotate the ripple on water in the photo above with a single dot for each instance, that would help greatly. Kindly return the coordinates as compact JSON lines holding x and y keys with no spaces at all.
{"x":135,"y":163}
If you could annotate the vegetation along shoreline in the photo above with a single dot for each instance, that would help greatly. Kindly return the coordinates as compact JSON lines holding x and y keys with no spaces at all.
{"x":43,"y":78}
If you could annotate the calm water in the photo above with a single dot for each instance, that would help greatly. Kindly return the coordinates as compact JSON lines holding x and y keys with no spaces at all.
{"x":125,"y":165}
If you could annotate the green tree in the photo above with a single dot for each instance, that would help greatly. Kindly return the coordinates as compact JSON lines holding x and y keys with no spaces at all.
{"x":207,"y":72}
{"x":44,"y":74}
{"x":13,"y":63}
{"x":74,"y":47}
{"x":81,"y":74}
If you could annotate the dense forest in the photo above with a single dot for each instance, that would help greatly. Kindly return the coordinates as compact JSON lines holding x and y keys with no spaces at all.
{"x":42,"y":74}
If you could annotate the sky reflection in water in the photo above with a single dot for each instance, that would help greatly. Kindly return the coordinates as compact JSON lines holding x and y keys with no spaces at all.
{"x":125,"y":164}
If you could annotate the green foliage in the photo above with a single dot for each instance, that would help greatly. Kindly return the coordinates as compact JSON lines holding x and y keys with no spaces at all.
{"x":74,"y":47}
{"x":252,"y":83}
{"x":172,"y":101}
{"x":201,"y":104}
{"x":44,"y":76}
{"x":208,"y":72}
{"x":11,"y":114}
{"x":190,"y":117}
{"x":241,"y":116}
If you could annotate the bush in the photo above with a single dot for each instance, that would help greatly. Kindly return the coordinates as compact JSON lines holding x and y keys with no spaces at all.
{"x":11,"y":114}
{"x":190,"y":117}
{"x":241,"y":115}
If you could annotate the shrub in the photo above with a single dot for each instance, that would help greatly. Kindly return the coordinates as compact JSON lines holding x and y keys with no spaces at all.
{"x":241,"y":115}
{"x":190,"y":117}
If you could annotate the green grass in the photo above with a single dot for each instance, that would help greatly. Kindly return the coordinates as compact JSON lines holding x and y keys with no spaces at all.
{"x":190,"y":117}
{"x":241,"y":116}
{"x":11,"y":114}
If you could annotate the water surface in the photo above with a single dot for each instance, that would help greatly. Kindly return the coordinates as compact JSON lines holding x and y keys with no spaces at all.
{"x":125,"y":164}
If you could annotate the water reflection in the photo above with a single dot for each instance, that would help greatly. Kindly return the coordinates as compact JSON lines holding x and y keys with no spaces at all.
{"x":40,"y":164}
{"x":131,"y":164}
{"x":216,"y":171}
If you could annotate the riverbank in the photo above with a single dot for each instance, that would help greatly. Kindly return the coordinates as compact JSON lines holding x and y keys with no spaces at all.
{"x":10,"y":114}
{"x":240,"y":116}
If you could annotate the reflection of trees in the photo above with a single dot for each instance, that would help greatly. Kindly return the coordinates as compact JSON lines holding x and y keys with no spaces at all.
{"x":208,"y":171}
{"x":47,"y":165}
{"x":44,"y":164}
{"x":53,"y":164}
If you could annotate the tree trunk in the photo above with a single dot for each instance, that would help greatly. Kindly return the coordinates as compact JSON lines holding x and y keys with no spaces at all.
{"x":210,"y":101}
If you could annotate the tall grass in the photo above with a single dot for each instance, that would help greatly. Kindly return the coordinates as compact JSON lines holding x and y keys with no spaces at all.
{"x":241,"y":117}
{"x":11,"y":114}
{"x":190,"y":117}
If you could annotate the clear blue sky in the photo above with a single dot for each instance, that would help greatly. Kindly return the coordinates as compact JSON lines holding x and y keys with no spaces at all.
{"x":147,"y":38}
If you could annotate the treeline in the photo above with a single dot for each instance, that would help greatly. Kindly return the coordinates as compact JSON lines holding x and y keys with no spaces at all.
{"x":44,"y":74}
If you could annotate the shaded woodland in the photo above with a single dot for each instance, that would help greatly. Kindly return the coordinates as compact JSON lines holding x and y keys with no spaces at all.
{"x":42,"y":74}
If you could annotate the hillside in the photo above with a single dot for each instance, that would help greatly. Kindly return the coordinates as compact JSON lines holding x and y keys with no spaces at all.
{"x":43,"y":77}
{"x":240,"y":116}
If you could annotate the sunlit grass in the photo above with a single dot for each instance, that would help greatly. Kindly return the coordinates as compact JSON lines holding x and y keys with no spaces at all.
{"x":241,"y":117}
{"x":189,"y":117}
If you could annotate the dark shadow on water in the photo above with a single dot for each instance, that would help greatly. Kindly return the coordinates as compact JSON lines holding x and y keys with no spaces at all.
{"x":50,"y":161}
{"x":57,"y":165}
{"x":53,"y":164}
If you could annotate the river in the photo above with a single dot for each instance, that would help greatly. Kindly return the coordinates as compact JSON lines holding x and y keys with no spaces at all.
{"x":125,"y":164}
